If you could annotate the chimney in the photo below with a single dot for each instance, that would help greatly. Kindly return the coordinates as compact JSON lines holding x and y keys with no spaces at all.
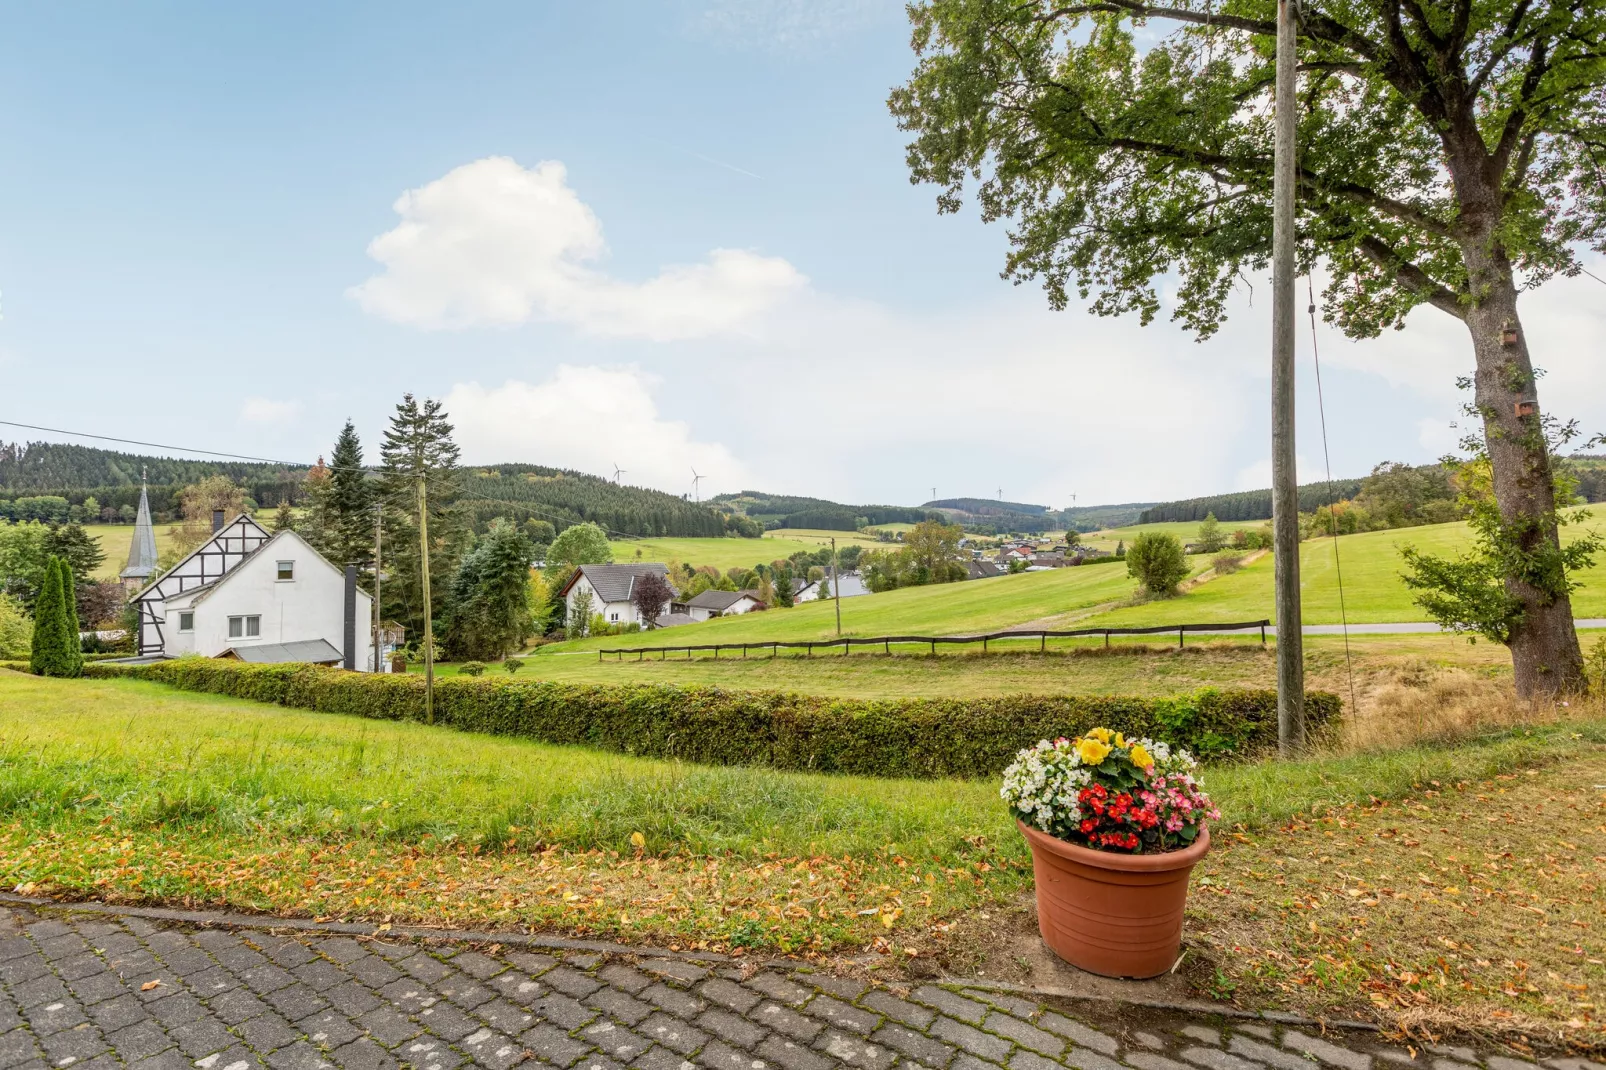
{"x":217,"y":521}
{"x":350,"y":662}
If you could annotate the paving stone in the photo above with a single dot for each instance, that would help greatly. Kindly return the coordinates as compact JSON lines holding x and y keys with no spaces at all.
{"x":15,"y":971}
{"x":728,"y":994}
{"x":729,"y":1027}
{"x":447,"y":1022}
{"x":138,"y":1041}
{"x":675,"y":970}
{"x":361,"y":1054}
{"x":429,"y":1054}
{"x":553,"y":1045}
{"x":843,"y":1015}
{"x":1574,"y":1064}
{"x":1020,"y":1008}
{"x":570,"y":981}
{"x":81,"y":965}
{"x":203,"y":1037}
{"x":790,"y":1055}
{"x":237,"y":1006}
{"x":267,"y":978}
{"x":1503,"y":1062}
{"x":492,"y":1050}
{"x":854,"y":1051}
{"x":1145,"y":1060}
{"x":583,"y":960}
{"x":288,"y":952}
{"x":17,"y":1047}
{"x":171,"y":1059}
{"x":504,"y":1016}
{"x":898,"y":1010}
{"x":329,"y":1029}
{"x":426,"y":968}
{"x":166,"y":940}
{"x":1071,"y":1029}
{"x":718,"y":1055}
{"x":1024,"y":1033}
{"x":664,"y":1059}
{"x":1214,"y":1059}
{"x":530,"y":962}
{"x":238,"y":958}
{"x":673,"y":1033}
{"x":841,"y":987}
{"x":343,"y":949}
{"x":114,"y":1014}
{"x":318,"y":974}
{"x":96,"y":987}
{"x":1262,"y":1052}
{"x":351,"y":999}
{"x":1086,"y":1059}
{"x":47,"y":1018}
{"x":78,"y":1044}
{"x":615,"y":1039}
{"x":563,"y":1010}
{"x":1465,"y":1054}
{"x":1262,"y":1031}
{"x":407,"y":994}
{"x":982,"y":1045}
{"x":1397,"y":1057}
{"x":39,"y":991}
{"x":477,"y":965}
{"x":1327,"y":1052}
{"x":188,"y":961}
{"x":786,"y":1020}
{"x":625,"y":978}
{"x":177,"y":1009}
{"x":596,"y":1061}
{"x":299,"y":1056}
{"x":514,"y":984}
{"x":625,"y":1008}
{"x":267,"y":1032}
{"x":209,"y":983}
{"x":673,"y":1000}
{"x":1148,"y":1040}
{"x":951,"y":1004}
{"x":372,"y":970}
{"x":9,"y":1018}
{"x":14,"y":947}
{"x":387,"y":1025}
{"x":1442,"y":1063}
{"x":1025,"y":1060}
{"x":917,"y":1046}
{"x":778,"y":988}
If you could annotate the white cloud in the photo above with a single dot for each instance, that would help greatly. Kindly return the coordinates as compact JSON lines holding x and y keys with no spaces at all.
{"x":1257,"y":476}
{"x":591,"y":419}
{"x":267,"y":411}
{"x":494,"y":243}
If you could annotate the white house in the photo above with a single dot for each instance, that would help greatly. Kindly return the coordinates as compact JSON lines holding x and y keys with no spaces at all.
{"x":852,"y":583}
{"x":259,"y":597}
{"x":722,"y":604}
{"x":609,"y":588}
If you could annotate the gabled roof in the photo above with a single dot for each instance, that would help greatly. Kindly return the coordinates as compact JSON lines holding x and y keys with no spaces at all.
{"x":244,"y":522}
{"x":719,"y":601}
{"x":314,"y":651}
{"x":613,"y":583}
{"x":142,"y":552}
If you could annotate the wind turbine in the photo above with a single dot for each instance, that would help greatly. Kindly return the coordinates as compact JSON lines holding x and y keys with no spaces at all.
{"x":617,"y":471}
{"x":696,"y":481}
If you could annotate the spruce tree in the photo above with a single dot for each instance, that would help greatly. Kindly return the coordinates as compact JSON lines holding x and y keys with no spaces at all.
{"x":73,"y":648}
{"x":51,"y":624}
{"x":348,"y":535}
{"x":418,"y":448}
{"x":284,"y":519}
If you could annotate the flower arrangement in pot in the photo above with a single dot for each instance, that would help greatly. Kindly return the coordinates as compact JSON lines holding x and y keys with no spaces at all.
{"x":1115,"y":827}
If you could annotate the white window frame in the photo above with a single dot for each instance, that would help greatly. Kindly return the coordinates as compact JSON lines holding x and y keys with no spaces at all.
{"x":245,"y":627}
{"x":285,"y":572}
{"x":186,"y":620}
{"x":236,"y":627}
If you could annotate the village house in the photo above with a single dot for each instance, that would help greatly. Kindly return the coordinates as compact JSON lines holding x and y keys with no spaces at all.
{"x":608,"y":588}
{"x":258,"y":597}
{"x":710,"y":604}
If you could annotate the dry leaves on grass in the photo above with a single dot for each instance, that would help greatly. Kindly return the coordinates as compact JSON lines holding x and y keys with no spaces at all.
{"x":1481,"y":903}
{"x":789,"y":904}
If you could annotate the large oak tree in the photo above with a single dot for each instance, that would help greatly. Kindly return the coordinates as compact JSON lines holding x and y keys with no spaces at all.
{"x":1451,"y":153}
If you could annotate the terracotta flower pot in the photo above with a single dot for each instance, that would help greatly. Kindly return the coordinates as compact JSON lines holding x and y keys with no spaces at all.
{"x":1117,"y":915}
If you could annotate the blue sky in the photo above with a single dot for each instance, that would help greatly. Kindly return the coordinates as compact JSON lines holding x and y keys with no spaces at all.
{"x":652,"y":235}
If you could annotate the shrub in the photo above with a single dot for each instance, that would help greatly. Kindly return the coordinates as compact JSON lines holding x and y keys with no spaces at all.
{"x":1156,"y":561}
{"x":1226,"y":564}
{"x":916,"y":737}
{"x":511,"y":665}
{"x":472,"y":668}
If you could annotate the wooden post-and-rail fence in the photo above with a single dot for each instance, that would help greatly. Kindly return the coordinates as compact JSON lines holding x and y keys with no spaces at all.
{"x":847,"y":643}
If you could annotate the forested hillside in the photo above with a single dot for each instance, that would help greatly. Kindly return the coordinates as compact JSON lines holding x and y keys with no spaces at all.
{"x":1248,"y":504}
{"x":791,"y":511}
{"x":564,"y":497}
{"x":987,"y":506}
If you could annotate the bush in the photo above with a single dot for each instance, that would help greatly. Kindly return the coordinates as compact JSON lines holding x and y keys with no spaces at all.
{"x":472,"y":668}
{"x":919,"y":737}
{"x":1227,"y":563}
{"x":1156,"y":561}
{"x":511,"y":665}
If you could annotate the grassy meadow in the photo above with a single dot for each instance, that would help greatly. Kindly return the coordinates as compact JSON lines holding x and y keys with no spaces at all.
{"x":128,"y":791}
{"x":115,"y":540}
{"x":731,"y":553}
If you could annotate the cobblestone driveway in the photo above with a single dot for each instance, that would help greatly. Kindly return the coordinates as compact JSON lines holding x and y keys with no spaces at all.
{"x":109,"y":990}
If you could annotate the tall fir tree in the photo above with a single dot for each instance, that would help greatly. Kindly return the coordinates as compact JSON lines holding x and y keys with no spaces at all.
{"x":489,"y":612}
{"x":348,"y":520}
{"x":73,"y":649}
{"x":418,"y":449}
{"x":284,"y":518}
{"x":55,"y":650}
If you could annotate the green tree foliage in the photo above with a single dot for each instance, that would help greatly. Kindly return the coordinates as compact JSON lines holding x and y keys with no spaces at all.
{"x":1210,"y":537}
{"x":785,"y":593}
{"x":77,"y":547}
{"x":196,"y":504}
{"x":346,"y":503}
{"x":418,"y":450}
{"x":1247,"y":504}
{"x":1155,"y":560}
{"x":284,"y":518}
{"x":562,"y":497}
{"x":579,"y":614}
{"x":16,"y":630}
{"x":581,"y":544}
{"x":930,"y":554}
{"x":488,"y":612}
{"x":23,"y":561}
{"x":54,"y":648}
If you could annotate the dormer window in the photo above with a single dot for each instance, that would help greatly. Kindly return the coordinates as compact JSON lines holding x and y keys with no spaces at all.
{"x":287,"y":570}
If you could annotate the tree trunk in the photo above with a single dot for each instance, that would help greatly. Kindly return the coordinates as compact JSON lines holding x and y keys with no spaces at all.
{"x":1545,"y":655}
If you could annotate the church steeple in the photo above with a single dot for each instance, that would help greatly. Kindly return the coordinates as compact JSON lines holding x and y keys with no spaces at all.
{"x":142,"y":553}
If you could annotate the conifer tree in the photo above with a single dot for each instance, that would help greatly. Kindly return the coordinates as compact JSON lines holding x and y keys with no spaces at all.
{"x":73,"y":648}
{"x":418,"y":448}
{"x":348,"y":534}
{"x":283,"y":518}
{"x":52,"y":653}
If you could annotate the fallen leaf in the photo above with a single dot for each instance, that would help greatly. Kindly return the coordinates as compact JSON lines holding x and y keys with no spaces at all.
{"x":148,"y":985}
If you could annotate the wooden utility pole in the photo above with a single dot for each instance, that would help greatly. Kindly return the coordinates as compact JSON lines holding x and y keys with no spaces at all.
{"x":379,"y":612}
{"x":1284,"y":474}
{"x":429,"y":624}
{"x":836,"y":588}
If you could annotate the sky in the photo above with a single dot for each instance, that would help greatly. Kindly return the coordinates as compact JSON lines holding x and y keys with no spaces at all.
{"x":657,"y":237}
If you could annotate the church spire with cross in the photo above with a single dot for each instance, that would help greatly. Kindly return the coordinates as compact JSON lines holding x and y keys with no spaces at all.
{"x":142,"y":552}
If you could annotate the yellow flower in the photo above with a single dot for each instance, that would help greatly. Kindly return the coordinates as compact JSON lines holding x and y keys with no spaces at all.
{"x":1093,"y":751}
{"x":1100,"y":734}
{"x":1120,"y":740}
{"x":1140,"y":757}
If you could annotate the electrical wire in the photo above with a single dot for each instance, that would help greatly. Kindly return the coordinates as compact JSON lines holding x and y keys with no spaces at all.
{"x":1332,"y":496}
{"x":618,"y":535}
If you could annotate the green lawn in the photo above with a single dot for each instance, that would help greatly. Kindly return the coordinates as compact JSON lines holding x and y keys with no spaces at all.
{"x":115,"y":540}
{"x":731,"y":553}
{"x":1187,"y":531}
{"x":943,"y":609}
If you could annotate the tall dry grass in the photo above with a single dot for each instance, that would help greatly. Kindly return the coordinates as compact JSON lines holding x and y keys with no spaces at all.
{"x":1420,"y":701}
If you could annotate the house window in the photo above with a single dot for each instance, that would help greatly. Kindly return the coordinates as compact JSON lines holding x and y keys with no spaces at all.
{"x":245,"y":627}
{"x":287,"y":570}
{"x":613,"y":616}
{"x":186,"y":622}
{"x":253,"y":627}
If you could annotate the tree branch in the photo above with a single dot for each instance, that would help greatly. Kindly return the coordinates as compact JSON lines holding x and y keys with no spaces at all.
{"x":1410,"y":276}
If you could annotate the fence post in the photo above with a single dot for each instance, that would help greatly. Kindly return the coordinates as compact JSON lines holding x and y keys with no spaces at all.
{"x":1106,"y":639}
{"x":716,"y":651}
{"x":847,"y":644}
{"x":1179,"y":637}
{"x":1042,"y":643}
{"x":984,"y":644}
{"x":1263,"y":634}
{"x":599,"y":657}
{"x":934,"y":646}
{"x":886,"y":648}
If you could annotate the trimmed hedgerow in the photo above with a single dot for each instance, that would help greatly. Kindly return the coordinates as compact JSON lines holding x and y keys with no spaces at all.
{"x":919,"y":737}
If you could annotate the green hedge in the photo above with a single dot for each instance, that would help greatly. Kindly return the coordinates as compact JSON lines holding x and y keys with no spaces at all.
{"x":920,"y":737}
